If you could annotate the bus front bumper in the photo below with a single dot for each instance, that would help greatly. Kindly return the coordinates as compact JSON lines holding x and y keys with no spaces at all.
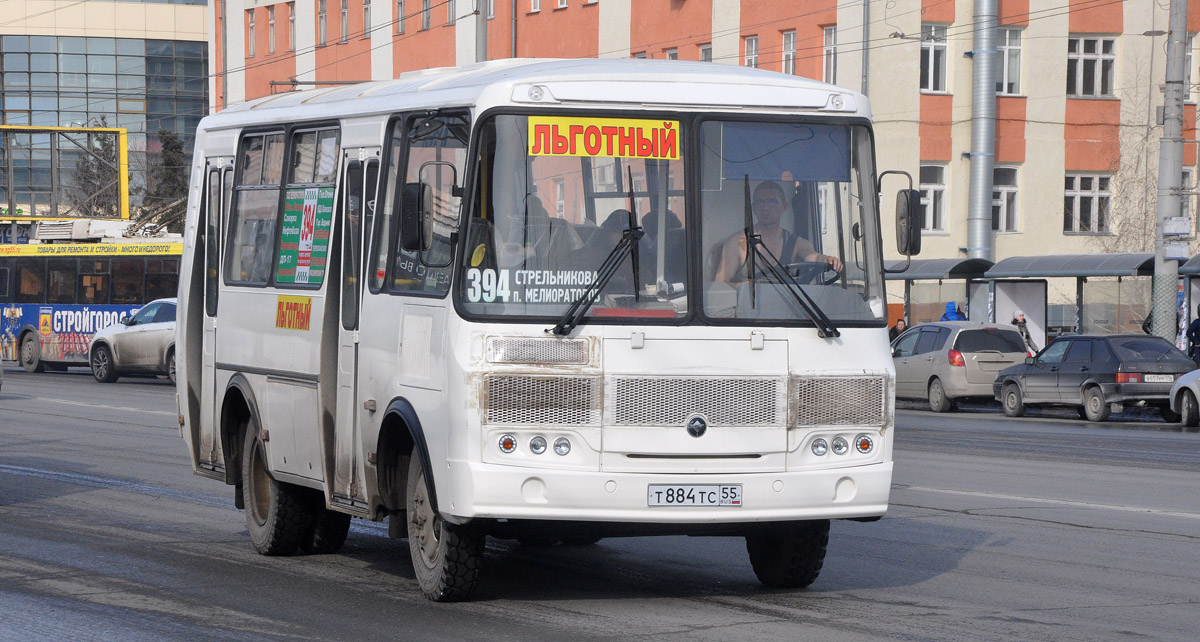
{"x":477,"y":490}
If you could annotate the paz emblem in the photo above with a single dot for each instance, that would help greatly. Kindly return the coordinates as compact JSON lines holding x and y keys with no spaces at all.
{"x":696,"y":426}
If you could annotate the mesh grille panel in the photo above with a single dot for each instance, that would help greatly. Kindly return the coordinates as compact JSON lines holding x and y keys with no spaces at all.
{"x":670,"y":401}
{"x":836,"y":401}
{"x":568,"y":351}
{"x":525,"y":399}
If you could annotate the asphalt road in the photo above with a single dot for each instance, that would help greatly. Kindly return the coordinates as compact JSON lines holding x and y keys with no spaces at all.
{"x":1040,"y":528}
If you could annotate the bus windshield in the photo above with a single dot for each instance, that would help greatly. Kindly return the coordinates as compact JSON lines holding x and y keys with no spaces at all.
{"x":556,"y":194}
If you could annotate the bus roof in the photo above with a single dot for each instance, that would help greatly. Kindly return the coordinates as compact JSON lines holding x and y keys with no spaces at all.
{"x":650,"y":84}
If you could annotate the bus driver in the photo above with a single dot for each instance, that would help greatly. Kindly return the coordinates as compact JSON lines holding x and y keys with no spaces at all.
{"x":769,"y":204}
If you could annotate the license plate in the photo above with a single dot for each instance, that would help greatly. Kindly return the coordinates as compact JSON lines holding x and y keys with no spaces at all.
{"x":694,"y":495}
{"x":1159,"y":378}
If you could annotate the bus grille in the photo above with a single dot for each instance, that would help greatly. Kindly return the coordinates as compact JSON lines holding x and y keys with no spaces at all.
{"x":521,"y":350}
{"x":839,"y":401}
{"x":525,"y":399}
{"x":670,"y":401}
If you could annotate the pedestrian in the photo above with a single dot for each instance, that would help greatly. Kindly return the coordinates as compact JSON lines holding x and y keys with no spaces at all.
{"x":897,"y":330}
{"x":1193,"y":337}
{"x":1023,"y":330}
{"x":952,"y":313}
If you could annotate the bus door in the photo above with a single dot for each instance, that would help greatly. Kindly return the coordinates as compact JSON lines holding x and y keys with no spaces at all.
{"x":218,"y":186}
{"x":358,"y":208}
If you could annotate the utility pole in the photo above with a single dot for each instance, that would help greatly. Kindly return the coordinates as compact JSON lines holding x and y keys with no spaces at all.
{"x":481,"y":30}
{"x":983,"y":130}
{"x":1170,"y":175}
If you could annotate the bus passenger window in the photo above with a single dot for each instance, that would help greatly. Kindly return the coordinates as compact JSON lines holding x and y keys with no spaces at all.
{"x":308,"y":201}
{"x":62,"y":281}
{"x":4,"y":291}
{"x":162,"y":278}
{"x":252,"y":223}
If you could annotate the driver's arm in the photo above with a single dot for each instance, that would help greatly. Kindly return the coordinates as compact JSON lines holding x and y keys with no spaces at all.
{"x":804,"y":251}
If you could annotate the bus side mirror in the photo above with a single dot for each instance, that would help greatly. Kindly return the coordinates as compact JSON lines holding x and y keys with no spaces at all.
{"x":908,"y":222}
{"x":416,"y":219}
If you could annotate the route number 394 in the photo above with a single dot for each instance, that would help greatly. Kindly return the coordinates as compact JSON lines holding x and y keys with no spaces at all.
{"x":487,"y":285}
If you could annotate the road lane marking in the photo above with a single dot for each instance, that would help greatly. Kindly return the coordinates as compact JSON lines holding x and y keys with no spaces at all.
{"x":71,"y":402}
{"x":1062,"y":502}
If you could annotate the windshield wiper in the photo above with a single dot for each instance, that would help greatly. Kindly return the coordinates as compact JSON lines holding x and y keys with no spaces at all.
{"x":625,"y":247}
{"x":756,"y":247}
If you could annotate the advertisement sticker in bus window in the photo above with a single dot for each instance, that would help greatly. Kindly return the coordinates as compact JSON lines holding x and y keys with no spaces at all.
{"x":304,"y":238}
{"x":608,"y":137}
{"x":527,"y":286}
{"x":293,"y":312}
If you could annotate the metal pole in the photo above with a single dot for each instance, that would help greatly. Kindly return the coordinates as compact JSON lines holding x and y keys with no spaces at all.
{"x":481,"y":31}
{"x":1170,"y":174}
{"x":866,"y":45}
{"x":983,"y":131}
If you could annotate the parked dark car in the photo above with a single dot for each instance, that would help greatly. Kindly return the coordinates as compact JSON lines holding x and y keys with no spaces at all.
{"x":1096,"y":374}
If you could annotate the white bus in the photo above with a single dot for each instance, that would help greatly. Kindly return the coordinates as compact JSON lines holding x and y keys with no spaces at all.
{"x":515,"y":300}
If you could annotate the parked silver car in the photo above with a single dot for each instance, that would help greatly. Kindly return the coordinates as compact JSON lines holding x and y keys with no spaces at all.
{"x":143,"y":343}
{"x":1184,"y":400}
{"x":951,"y":360}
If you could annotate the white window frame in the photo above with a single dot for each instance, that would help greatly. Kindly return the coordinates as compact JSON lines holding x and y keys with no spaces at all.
{"x":1101,"y":211}
{"x":291,"y":26}
{"x":789,"y":53}
{"x":1004,"y":197}
{"x":1008,"y":69}
{"x":935,"y":58}
{"x":491,"y":9}
{"x":671,"y":54}
{"x":366,"y":19}
{"x":1188,"y":61}
{"x":935,"y":194}
{"x":705,"y":53}
{"x":750,"y":47}
{"x":451,"y":12}
{"x":1103,"y":66}
{"x":399,"y":16}
{"x":345,"y":20}
{"x":271,"y":29}
{"x":562,"y":4}
{"x":829,"y":55}
{"x":426,"y":12}
{"x":535,"y":6}
{"x":250,"y":33}
{"x":560,"y":197}
{"x":322,"y":25}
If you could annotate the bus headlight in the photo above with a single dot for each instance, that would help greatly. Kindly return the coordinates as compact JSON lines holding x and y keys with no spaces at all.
{"x":537,"y":445}
{"x":562,"y":446}
{"x":820,"y":447}
{"x":840,"y":446}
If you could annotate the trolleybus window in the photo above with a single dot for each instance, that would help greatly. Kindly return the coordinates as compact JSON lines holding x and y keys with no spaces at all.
{"x":252,"y":223}
{"x":93,"y":280}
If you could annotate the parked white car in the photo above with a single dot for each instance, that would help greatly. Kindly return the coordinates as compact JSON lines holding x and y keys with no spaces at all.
{"x":1185,"y":399}
{"x":143,"y":343}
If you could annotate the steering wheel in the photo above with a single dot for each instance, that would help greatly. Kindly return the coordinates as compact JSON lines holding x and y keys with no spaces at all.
{"x":813,"y":272}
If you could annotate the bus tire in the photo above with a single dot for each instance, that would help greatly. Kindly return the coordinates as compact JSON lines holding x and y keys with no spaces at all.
{"x":329,"y":532}
{"x":278,"y":515}
{"x":446,"y":557}
{"x":103,"y":367}
{"x":788,"y":555}
{"x":31,"y":354}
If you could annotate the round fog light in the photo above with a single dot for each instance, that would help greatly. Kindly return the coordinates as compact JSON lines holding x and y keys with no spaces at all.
{"x":840,"y":446}
{"x":864,"y":444}
{"x":537,"y":445}
{"x":562,"y":446}
{"x":820,"y":447}
{"x":508,"y":443}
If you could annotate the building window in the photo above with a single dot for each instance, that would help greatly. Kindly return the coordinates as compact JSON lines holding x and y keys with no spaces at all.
{"x":250,"y":33}
{"x":1187,"y":67}
{"x":366,"y":18}
{"x":1004,"y":199}
{"x":320,"y":23}
{"x":1188,"y":192}
{"x":562,"y":4}
{"x":425,"y":14}
{"x":535,"y":6}
{"x":271,"y":29}
{"x":450,"y":12}
{"x":933,"y":198}
{"x":1008,"y":74}
{"x":705,"y":53}
{"x":789,"y":53}
{"x":1087,"y":203}
{"x":491,"y":9}
{"x":829,"y":55}
{"x":672,"y":53}
{"x":291,"y":26}
{"x":752,"y":51}
{"x":345,"y":20}
{"x":933,"y":57}
{"x":641,"y":55}
{"x":399,"y":16}
{"x":1090,"y":63}
{"x":560,"y":197}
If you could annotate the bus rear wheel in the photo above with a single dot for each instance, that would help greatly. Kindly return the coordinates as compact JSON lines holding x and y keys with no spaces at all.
{"x":329,"y":531}
{"x":446,"y":557}
{"x":788,"y":555}
{"x":278,"y":514}
{"x":31,"y":354}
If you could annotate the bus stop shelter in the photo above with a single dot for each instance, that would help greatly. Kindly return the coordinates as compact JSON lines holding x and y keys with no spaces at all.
{"x":929,"y":284}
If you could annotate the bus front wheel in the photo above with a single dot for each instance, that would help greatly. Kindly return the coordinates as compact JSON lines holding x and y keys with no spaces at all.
{"x":31,"y":354}
{"x":446,"y":557}
{"x":788,"y":555}
{"x":278,"y":514}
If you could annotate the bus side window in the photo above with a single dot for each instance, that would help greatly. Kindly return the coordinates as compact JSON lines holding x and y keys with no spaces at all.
{"x":253,"y":219}
{"x":353,"y":206}
{"x":212,"y":241}
{"x":5,"y":291}
{"x":128,"y":280}
{"x":382,"y":226}
{"x":308,"y":207}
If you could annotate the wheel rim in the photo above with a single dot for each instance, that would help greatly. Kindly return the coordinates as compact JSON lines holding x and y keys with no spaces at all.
{"x":27,"y":351}
{"x":1094,"y":403}
{"x":424,"y":524}
{"x":935,"y":394}
{"x":171,"y":367}
{"x":260,"y":486}
{"x":100,"y":363}
{"x":1010,"y":400}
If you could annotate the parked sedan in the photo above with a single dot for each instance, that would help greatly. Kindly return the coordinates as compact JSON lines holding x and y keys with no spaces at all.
{"x":951,"y":360}
{"x":1096,"y":374}
{"x":1184,"y":396}
{"x":143,"y":343}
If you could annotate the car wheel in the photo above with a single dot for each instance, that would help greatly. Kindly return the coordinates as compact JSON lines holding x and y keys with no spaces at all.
{"x":1168,"y":415}
{"x":446,"y":557}
{"x":103,"y":367}
{"x":1094,"y":405}
{"x":1189,"y":410}
{"x":788,"y":555}
{"x":278,"y":514}
{"x":1014,"y":406}
{"x":171,"y":366}
{"x":937,"y":397}
{"x":31,"y":354}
